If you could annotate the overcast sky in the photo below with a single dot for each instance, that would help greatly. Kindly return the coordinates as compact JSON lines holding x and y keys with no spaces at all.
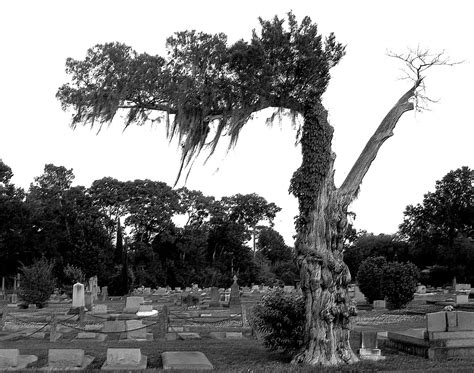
{"x":37,"y":36}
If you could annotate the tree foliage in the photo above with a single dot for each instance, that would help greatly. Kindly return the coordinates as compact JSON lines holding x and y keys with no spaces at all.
{"x":37,"y":282}
{"x":440,"y":230}
{"x":369,"y":278}
{"x":399,"y":282}
{"x":203,"y":80}
{"x":279,"y":319}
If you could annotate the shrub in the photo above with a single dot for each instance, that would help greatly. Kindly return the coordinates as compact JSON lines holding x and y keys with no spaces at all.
{"x":74,"y":274}
{"x":399,"y":283}
{"x":37,"y":283}
{"x":190,"y":300}
{"x":369,"y":277}
{"x":279,"y":319}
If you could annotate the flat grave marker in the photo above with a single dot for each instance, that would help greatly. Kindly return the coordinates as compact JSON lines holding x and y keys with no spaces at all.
{"x":124,"y":358}
{"x":194,"y":360}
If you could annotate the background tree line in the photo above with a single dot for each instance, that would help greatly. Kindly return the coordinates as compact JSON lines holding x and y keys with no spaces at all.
{"x":437,"y":234}
{"x":162,"y":235}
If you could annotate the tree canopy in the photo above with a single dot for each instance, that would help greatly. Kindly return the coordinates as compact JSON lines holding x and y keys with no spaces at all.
{"x":203,"y":82}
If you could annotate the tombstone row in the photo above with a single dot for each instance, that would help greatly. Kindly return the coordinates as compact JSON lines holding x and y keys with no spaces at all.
{"x":117,"y":359}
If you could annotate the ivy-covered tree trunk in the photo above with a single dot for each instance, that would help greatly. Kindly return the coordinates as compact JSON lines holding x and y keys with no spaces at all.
{"x":321,"y":227}
{"x":319,"y":246}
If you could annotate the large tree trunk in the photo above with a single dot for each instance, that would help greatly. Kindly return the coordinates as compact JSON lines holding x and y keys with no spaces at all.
{"x":321,"y":228}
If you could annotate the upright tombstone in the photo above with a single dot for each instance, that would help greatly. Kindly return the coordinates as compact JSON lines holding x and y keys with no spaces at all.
{"x":104,"y":293}
{"x":132,"y":304}
{"x":78,"y":298}
{"x":234,"y":299}
{"x":368,"y":347}
{"x":93,"y":288}
{"x":88,"y":300}
{"x":214,"y":302}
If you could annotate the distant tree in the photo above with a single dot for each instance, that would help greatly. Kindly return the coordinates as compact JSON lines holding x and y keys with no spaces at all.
{"x":150,"y":206}
{"x":250,"y":210}
{"x":14,"y":223}
{"x":366,"y":245}
{"x":211,"y":89}
{"x":65,"y":225}
{"x":109,"y":196}
{"x":440,"y":230}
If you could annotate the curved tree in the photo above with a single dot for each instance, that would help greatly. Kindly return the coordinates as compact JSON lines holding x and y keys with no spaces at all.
{"x":205,"y":89}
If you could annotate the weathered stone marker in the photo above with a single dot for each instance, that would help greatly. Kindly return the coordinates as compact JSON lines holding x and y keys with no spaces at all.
{"x":124,"y":358}
{"x":68,"y":358}
{"x":133,"y":304}
{"x":136,"y":330}
{"x":234,"y":294}
{"x":11,"y":359}
{"x":214,"y":302}
{"x":368,"y":347}
{"x":194,"y":360}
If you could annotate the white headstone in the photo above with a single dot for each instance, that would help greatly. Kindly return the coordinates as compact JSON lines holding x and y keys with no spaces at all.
{"x":78,"y":299}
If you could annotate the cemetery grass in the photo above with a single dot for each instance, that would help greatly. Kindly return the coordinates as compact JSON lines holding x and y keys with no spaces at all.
{"x":249,"y":355}
{"x":227,"y":355}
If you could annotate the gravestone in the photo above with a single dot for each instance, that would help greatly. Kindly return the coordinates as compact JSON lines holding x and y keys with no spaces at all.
{"x":93,"y":288}
{"x":185,"y":360}
{"x":91,"y":336}
{"x":234,"y":299}
{"x":67,"y":358}
{"x":462,"y":287}
{"x":10,"y":359}
{"x":133,"y":304}
{"x":462,"y":298}
{"x":88,"y":300}
{"x":465,"y":320}
{"x":436,"y":322}
{"x":358,"y":295}
{"x":214,"y":302}
{"x":115,"y":326}
{"x":421,"y":289}
{"x":135,"y":330}
{"x":124,"y":359}
{"x":146,"y":310}
{"x":368,"y":347}
{"x":380,"y":305}
{"x":104,"y":293}
{"x":99,"y":309}
{"x":78,"y":295}
{"x":14,"y":298}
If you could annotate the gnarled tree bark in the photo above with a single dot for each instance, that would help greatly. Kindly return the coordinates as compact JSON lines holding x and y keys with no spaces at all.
{"x":319,"y":243}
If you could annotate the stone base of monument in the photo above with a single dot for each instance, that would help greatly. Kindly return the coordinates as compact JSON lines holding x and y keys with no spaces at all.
{"x":448,"y":335}
{"x":372,"y":354}
{"x":67,"y":359}
{"x":124,"y":359}
{"x":10,"y":359}
{"x":194,"y":360}
{"x":91,"y":337}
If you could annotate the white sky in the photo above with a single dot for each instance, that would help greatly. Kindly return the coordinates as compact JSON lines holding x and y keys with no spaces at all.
{"x":36,"y":37}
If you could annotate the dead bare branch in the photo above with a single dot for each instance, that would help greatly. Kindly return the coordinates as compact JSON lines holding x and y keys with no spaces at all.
{"x":417,"y":62}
